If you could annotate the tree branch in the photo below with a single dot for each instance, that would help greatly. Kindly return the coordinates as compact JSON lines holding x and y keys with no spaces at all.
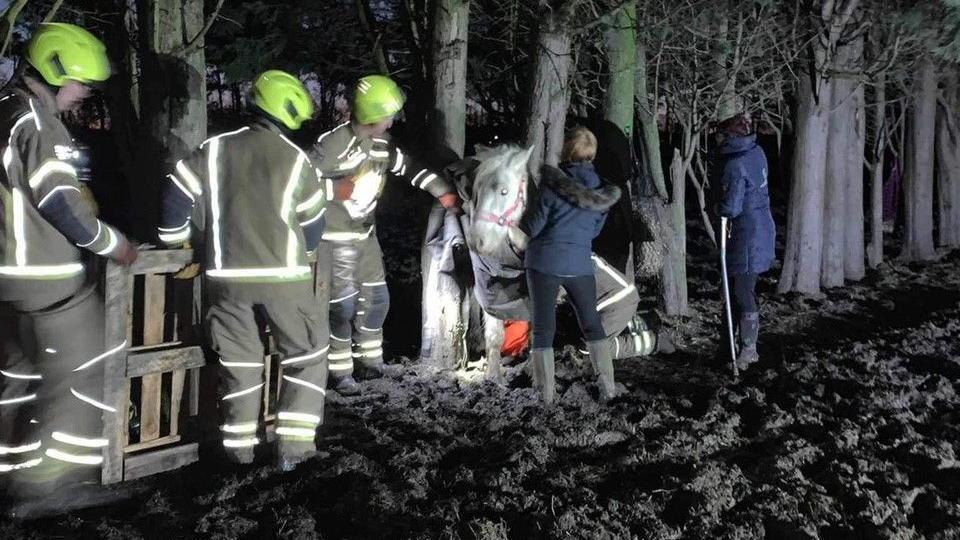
{"x":187,"y":47}
{"x":9,"y":22}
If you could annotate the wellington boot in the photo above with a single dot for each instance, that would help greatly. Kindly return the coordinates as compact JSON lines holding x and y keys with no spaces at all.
{"x":543,"y":374}
{"x":345,"y":385}
{"x":603,"y":366}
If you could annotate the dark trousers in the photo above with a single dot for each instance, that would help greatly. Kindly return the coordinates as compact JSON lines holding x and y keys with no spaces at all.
{"x":582,"y":291}
{"x":744,"y":293}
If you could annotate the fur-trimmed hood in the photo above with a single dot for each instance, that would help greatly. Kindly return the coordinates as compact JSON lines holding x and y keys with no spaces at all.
{"x":577,"y":194}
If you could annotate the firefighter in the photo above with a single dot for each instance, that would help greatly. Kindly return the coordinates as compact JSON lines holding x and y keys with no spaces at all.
{"x":355,"y":158}
{"x":51,"y":378}
{"x":258,"y":200}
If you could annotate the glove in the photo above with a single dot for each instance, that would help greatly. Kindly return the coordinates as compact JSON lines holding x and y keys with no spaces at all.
{"x":451,"y":201}
{"x":125,"y":254}
{"x":342,"y":189}
{"x":189,"y":271}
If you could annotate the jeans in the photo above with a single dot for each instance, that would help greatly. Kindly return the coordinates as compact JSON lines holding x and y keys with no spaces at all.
{"x":582,"y":291}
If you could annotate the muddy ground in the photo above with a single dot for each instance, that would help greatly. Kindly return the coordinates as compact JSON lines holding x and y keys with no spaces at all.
{"x":848,"y":428}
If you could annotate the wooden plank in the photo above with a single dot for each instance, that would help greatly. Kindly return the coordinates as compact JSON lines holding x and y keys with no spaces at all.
{"x":160,"y":441}
{"x":160,"y":460}
{"x":116,"y":392}
{"x":159,"y":360}
{"x":153,"y":315}
{"x":176,"y":397}
{"x":162,"y":261}
{"x":195,"y":391}
{"x":267,"y":369}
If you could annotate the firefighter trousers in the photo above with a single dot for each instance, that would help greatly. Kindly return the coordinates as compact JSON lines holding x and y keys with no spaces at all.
{"x":352,"y":273}
{"x":299,"y":329}
{"x":51,"y":384}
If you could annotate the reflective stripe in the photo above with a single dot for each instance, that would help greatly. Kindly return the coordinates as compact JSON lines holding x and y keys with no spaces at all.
{"x":427,"y":181}
{"x":379,"y":154}
{"x":54,"y":190}
{"x":19,"y":234}
{"x":312,"y":201}
{"x":176,"y":182}
{"x":4,"y":450}
{"x":49,"y":167}
{"x":610,"y":271}
{"x":293,"y":145}
{"x":79,"y":459}
{"x":20,"y":399}
{"x":333,"y":337}
{"x":373,"y":283}
{"x":241,"y":443}
{"x":212,"y":172}
{"x":5,"y":467}
{"x":286,"y":204}
{"x":352,"y":162}
{"x":307,"y":384}
{"x":371,"y":344}
{"x":12,"y":375}
{"x":55,"y":270}
{"x":277,"y":272}
{"x":347,"y":149}
{"x":296,"y":431}
{"x":191,"y":179}
{"x":36,"y":117}
{"x":341,"y":299}
{"x":324,"y":135}
{"x":49,"y":350}
{"x":341,"y":367}
{"x":111,"y":243}
{"x":241,"y":364}
{"x":616,"y":298}
{"x":243,"y":392}
{"x":249,"y":427}
{"x":170,"y":238}
{"x":296,"y":359}
{"x":398,"y":163}
{"x":417,"y":177}
{"x":298,"y":417}
{"x":339,"y":356}
{"x":330,"y":187}
{"x":369,"y":354}
{"x":79,"y":441}
{"x":340,"y":236}
{"x":98,"y":358}
{"x":95,"y":237}
{"x":92,"y":401}
{"x":365,"y":329}
{"x":314,"y":218}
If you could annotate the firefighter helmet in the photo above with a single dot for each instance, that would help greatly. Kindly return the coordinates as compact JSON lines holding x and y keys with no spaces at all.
{"x":376,"y":98}
{"x":63,"y":52}
{"x":283,"y":96}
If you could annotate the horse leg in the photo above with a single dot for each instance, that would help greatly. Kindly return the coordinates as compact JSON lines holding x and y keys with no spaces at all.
{"x":493,"y":334}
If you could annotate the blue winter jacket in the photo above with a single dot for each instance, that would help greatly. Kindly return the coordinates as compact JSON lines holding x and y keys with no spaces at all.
{"x":571,"y":210}
{"x":745,"y":199}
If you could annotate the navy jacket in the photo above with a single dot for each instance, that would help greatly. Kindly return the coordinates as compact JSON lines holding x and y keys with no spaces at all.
{"x":568,"y":216}
{"x":745,"y":199}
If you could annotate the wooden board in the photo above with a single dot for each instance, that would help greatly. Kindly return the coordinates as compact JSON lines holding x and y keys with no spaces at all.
{"x":159,"y":461}
{"x":154,"y":297}
{"x":168,"y":358}
{"x":176,"y":398}
{"x":116,"y":390}
{"x":161,"y":261}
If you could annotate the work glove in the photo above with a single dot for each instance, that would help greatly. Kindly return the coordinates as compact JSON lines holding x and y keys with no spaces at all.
{"x":125,"y":253}
{"x":342,"y":189}
{"x":451,"y":201}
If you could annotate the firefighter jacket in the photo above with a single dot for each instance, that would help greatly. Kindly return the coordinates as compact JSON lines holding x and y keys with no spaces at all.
{"x":342,"y":156}
{"x":257,"y":199}
{"x":44,"y":216}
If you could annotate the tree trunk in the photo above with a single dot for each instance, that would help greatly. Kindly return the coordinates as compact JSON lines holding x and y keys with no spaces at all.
{"x":948,"y":165}
{"x":450,"y":73}
{"x":854,"y":251}
{"x":801,"y":265}
{"x":649,"y":130}
{"x":549,"y":97}
{"x":918,"y":180}
{"x":875,"y":248}
{"x":835,"y":183}
{"x":621,"y":54}
{"x":443,"y":336}
{"x":673,"y":282}
{"x":173,"y":93}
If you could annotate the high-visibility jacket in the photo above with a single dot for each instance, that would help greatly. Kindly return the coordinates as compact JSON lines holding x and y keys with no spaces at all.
{"x":342,"y":155}
{"x":256,"y":197}
{"x":45,"y":219}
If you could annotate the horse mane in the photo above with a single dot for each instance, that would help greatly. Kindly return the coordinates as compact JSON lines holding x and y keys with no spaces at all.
{"x":493,"y":158}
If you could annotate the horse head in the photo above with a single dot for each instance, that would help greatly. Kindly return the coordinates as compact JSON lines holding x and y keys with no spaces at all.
{"x":499,"y":198}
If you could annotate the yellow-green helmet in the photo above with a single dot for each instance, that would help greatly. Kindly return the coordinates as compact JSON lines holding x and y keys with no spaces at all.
{"x":283,"y":96}
{"x":63,"y":52}
{"x":376,"y":98}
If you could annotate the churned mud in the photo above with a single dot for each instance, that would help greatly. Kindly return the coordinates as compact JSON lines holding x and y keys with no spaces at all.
{"x":849,"y":427}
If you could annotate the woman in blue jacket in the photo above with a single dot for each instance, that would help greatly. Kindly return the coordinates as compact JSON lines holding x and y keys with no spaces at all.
{"x":745,"y":202}
{"x":562,"y":226}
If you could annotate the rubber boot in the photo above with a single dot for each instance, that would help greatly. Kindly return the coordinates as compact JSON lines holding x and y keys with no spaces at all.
{"x":543,"y":374}
{"x":345,"y":385}
{"x":664,"y":344}
{"x":290,"y":454}
{"x":240,"y":456}
{"x":749,"y":330}
{"x":603,"y":365}
{"x":368,"y":371}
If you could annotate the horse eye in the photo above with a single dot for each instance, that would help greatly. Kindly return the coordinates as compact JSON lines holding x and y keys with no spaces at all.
{"x":504,"y":191}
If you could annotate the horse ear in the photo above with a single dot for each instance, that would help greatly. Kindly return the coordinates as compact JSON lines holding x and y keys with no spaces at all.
{"x":519,"y":162}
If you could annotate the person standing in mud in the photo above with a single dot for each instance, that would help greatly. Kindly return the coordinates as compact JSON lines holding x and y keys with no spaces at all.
{"x":354,"y":159}
{"x":744,"y":199}
{"x":51,"y":373}
{"x":561,"y":226}
{"x":260,"y":204}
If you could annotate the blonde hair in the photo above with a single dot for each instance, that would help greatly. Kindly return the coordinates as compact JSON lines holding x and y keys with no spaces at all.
{"x":580,"y":144}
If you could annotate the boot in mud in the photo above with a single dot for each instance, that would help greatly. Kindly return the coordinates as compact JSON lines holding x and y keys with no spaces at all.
{"x":366,"y":372}
{"x":345,"y":385}
{"x":664,"y":344}
{"x":603,"y":365}
{"x":543,"y":374}
{"x":290,"y":455}
{"x":749,"y":330}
